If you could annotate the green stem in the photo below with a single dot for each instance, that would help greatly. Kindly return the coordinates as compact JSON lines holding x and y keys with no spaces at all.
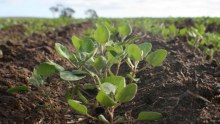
{"x":94,"y":118}
{"x":143,"y":68}
{"x":99,"y":82}
{"x":118,"y":67}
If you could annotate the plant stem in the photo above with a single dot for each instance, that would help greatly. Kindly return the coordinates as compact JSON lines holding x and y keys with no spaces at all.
{"x":99,"y":82}
{"x":94,"y":118}
{"x":143,"y":68}
{"x":118,"y":67}
{"x":111,"y":114}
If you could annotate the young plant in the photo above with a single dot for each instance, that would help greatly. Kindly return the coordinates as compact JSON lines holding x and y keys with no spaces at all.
{"x":112,"y":94}
{"x":95,"y":56}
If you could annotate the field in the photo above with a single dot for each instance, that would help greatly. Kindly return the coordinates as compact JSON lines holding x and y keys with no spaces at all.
{"x":184,"y":89}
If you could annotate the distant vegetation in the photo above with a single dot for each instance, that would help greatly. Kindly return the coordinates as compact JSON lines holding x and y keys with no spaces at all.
{"x":68,"y":12}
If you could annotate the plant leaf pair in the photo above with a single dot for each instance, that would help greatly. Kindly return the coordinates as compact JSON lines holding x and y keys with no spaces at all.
{"x":138,"y":52}
{"x":115,"y":85}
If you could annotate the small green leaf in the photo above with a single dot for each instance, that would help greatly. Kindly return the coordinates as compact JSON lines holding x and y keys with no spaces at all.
{"x":156,"y":58}
{"x":102,"y":34}
{"x":149,"y":116}
{"x":127,"y":94}
{"x":62,"y":50}
{"x":109,"y":88}
{"x":76,"y":42}
{"x":104,"y":99}
{"x":75,"y":105}
{"x":45,"y":69}
{"x":118,"y":81}
{"x":124,"y":29}
{"x":17,"y":88}
{"x":71,"y":76}
{"x":146,"y":48}
{"x":57,"y":66}
{"x":100,"y":62}
{"x":103,"y":119}
{"x":134,"y":52}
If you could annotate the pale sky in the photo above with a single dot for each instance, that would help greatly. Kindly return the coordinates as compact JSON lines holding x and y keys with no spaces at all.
{"x":114,"y":8}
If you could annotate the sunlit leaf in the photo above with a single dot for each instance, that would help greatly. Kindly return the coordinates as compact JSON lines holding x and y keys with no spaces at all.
{"x":156,"y":58}
{"x":102,"y":34}
{"x":124,"y":29}
{"x":76,"y":42}
{"x":77,"y":106}
{"x":134,"y":52}
{"x":126,"y":94}
{"x":62,"y":50}
{"x":146,"y":48}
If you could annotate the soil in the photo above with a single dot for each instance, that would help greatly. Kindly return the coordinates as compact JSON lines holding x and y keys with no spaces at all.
{"x":185,"y":89}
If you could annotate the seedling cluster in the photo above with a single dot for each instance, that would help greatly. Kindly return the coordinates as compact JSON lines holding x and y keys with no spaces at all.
{"x":99,"y":56}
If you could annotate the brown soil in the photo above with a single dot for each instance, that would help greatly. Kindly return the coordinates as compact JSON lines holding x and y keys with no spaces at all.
{"x":185,"y":89}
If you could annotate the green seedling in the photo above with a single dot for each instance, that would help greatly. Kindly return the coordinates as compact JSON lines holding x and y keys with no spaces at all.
{"x":96,"y":55}
{"x":114,"y":93}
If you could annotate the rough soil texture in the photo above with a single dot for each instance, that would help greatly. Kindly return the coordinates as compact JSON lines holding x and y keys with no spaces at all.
{"x":185,"y":89}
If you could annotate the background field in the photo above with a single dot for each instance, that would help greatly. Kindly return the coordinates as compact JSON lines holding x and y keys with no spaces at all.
{"x":185,"y":89}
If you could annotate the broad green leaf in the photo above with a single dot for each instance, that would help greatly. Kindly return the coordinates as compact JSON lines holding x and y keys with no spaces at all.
{"x":57,"y":66}
{"x":102,"y":34}
{"x":77,"y":106}
{"x":126,"y":94}
{"x":149,"y":116}
{"x":103,"y":119}
{"x":71,"y":76}
{"x":87,"y":45}
{"x":146,"y":48}
{"x":156,"y":58}
{"x":109,"y":88}
{"x":45,"y":69}
{"x":76,"y":42}
{"x":134,"y":52}
{"x":104,"y":99}
{"x":100,"y":62}
{"x":118,"y":81}
{"x":124,"y":29}
{"x":62,"y":50}
{"x":17,"y":88}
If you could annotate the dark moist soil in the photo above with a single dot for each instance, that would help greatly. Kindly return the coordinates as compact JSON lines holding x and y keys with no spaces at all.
{"x":185,"y":89}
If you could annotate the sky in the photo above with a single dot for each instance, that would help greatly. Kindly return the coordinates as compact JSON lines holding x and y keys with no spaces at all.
{"x":113,"y":8}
